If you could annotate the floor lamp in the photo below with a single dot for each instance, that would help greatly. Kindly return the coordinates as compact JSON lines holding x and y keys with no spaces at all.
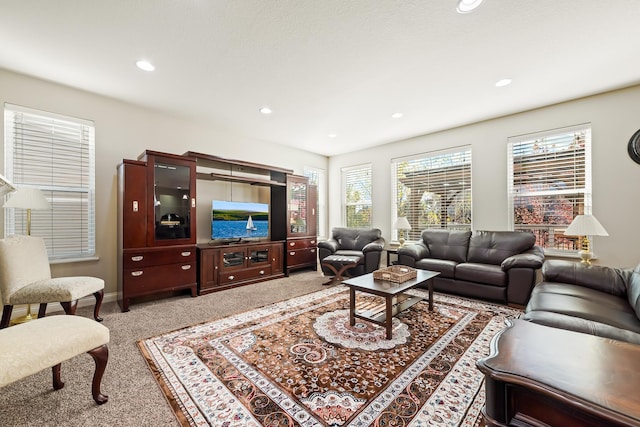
{"x":29,"y":198}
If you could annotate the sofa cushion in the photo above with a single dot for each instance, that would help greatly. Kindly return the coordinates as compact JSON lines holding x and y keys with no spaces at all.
{"x":354,"y":238}
{"x":447,"y":244}
{"x":493,"y":247}
{"x":481,"y":273}
{"x":444,"y":266}
{"x":582,"y":302}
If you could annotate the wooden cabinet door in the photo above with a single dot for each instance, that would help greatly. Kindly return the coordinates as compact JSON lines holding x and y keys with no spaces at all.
{"x":133,"y":203}
{"x":276,"y":258}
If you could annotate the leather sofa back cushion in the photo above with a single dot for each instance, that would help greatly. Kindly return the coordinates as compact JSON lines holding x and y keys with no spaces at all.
{"x":447,"y":244}
{"x":355,"y":239}
{"x":493,"y":247}
{"x":633,"y":291}
{"x":614,"y":281}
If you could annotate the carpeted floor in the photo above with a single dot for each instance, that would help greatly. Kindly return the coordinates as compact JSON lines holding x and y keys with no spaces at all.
{"x":134,"y":396}
{"x":300,"y":363}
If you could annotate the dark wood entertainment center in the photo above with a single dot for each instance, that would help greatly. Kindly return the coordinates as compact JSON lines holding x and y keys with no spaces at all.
{"x":157,"y":241}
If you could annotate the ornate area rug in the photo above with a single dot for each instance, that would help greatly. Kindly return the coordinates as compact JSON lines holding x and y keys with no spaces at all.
{"x":300,"y":363}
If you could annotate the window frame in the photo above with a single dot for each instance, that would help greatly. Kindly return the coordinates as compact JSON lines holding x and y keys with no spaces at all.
{"x":345,"y":173}
{"x":580,"y":195}
{"x":457,"y":161}
{"x":40,"y":150}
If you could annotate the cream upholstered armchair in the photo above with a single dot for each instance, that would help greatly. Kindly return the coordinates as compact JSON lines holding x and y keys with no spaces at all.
{"x":25,"y":278}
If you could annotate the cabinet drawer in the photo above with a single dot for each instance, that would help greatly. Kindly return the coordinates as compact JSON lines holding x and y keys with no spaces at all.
{"x":306,"y":243}
{"x":139,"y":281}
{"x":302,"y":256}
{"x":150,"y":257}
{"x":247,"y":274}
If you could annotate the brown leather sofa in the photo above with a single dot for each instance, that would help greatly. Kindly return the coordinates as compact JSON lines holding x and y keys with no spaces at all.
{"x":493,"y":265}
{"x":364,"y":243}
{"x":596,"y":300}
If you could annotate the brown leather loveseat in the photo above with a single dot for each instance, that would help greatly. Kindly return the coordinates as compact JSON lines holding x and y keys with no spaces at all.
{"x":493,"y":265}
{"x":596,"y":300}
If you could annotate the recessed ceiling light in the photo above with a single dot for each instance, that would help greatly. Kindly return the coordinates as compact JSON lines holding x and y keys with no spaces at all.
{"x":503,"y":82}
{"x":145,"y":65}
{"x":266,"y":110}
{"x":396,"y":115}
{"x":332,"y":135}
{"x":465,"y":6}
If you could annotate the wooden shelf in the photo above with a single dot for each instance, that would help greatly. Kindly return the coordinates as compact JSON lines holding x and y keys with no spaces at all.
{"x":253,"y":167}
{"x":234,"y":178}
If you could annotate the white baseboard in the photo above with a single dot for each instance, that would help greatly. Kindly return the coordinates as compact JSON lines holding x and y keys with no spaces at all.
{"x":54,"y":307}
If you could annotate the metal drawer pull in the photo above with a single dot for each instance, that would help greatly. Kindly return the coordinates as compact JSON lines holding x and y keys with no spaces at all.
{"x":292,"y":253}
{"x":136,"y":273}
{"x":292,"y":243}
{"x":313,"y":242}
{"x":185,"y":253}
{"x":186,"y":267}
{"x":261,"y":271}
{"x":137,"y":258}
{"x":231,"y":277}
{"x":312,"y":250}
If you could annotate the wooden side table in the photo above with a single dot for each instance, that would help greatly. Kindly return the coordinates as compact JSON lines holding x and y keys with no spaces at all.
{"x":542,"y":376}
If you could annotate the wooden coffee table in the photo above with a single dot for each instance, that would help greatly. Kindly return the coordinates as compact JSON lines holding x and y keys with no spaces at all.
{"x":393,"y":293}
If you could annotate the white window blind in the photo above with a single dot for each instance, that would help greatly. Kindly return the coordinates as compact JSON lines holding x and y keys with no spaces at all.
{"x":356,"y":188}
{"x":433,"y":190}
{"x":550,"y":183}
{"x":57,"y":155}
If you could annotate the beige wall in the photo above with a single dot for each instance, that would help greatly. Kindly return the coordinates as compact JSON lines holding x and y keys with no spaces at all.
{"x":616,"y":196}
{"x":125,"y":131}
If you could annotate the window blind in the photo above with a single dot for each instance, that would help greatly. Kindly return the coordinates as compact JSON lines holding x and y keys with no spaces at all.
{"x":57,"y":155}
{"x":433,"y":190}
{"x":356,"y":198}
{"x":550,"y":183}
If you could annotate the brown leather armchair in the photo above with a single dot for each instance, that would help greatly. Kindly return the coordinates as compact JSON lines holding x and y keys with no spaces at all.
{"x":366,"y":243}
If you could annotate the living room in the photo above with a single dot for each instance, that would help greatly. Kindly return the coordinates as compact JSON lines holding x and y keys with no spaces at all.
{"x":124,"y":130}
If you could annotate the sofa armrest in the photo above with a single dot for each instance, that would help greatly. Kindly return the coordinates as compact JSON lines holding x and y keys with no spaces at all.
{"x":330,"y":245}
{"x":604,"y":279}
{"x":533,"y":258}
{"x":416,"y":251}
{"x":376,"y":245}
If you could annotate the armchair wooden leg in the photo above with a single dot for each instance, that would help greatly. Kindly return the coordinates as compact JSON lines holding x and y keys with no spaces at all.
{"x":69,"y":306}
{"x":57,"y":382}
{"x":100,"y":356}
{"x":6,"y":316}
{"x":96,"y":311}
{"x":42,"y":311}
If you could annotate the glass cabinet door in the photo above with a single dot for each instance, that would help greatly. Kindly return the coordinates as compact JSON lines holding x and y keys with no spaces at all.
{"x":232,"y":259}
{"x":171,"y":184}
{"x":297,"y":207}
{"x":258,"y":255}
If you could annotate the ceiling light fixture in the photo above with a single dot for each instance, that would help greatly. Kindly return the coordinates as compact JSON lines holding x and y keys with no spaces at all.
{"x":396,"y":115}
{"x":465,"y":6}
{"x":145,"y":65}
{"x":266,"y":110}
{"x":503,"y":82}
{"x":332,"y":135}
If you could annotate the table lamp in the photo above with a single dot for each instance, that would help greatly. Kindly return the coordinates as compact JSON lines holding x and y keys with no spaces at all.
{"x":583,"y":226}
{"x":27,"y":198}
{"x":401,"y":224}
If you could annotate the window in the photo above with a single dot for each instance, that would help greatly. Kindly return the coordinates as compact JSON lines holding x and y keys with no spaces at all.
{"x":317,"y":177}
{"x":356,"y":189}
{"x":550,"y":183}
{"x":57,"y":155}
{"x":433,"y":190}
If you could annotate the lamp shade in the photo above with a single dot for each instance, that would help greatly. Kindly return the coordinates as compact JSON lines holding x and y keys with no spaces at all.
{"x":402,"y":223}
{"x":5,"y":186}
{"x":27,"y":198}
{"x":585,"y":225}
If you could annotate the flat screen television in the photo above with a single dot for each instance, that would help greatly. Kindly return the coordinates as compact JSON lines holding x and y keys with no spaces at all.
{"x":239,"y":220}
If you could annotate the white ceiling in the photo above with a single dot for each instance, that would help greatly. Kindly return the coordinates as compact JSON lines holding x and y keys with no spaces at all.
{"x":328,"y":66}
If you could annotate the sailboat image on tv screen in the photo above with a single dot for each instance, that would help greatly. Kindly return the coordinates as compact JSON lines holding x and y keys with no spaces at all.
{"x":250,"y":226}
